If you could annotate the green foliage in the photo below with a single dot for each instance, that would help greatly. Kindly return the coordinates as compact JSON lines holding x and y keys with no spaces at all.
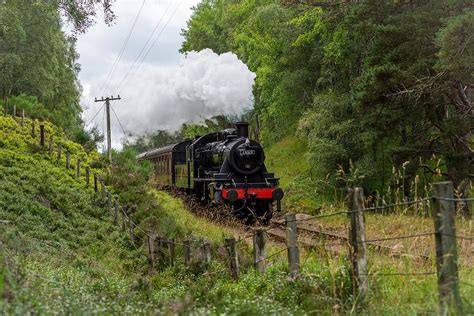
{"x":364,"y":81}
{"x":59,"y":253}
{"x":161,"y":138}
{"x":82,"y":14}
{"x":214,"y":124}
{"x":156,"y":139}
{"x":38,"y":59}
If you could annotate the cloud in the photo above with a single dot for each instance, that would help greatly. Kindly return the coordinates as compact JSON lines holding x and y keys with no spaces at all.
{"x":202,"y":85}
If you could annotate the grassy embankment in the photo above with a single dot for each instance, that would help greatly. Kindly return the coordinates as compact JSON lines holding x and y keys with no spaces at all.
{"x":287,"y":159}
{"x":61,"y":254}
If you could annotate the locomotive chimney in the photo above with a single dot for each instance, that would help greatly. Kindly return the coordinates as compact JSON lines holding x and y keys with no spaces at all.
{"x":242,"y":129}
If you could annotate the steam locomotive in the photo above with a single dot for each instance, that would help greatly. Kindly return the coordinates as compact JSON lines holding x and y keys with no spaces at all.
{"x":224,"y":167}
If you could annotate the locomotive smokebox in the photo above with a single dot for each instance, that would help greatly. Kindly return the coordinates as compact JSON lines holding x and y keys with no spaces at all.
{"x":242,"y":129}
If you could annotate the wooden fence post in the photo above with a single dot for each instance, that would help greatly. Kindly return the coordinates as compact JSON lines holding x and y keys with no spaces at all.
{"x":68,"y":160}
{"x":158,"y":254}
{"x":109,"y":202}
{"x":446,"y":250}
{"x":171,"y":251}
{"x":234,"y":260}
{"x":78,"y":174}
{"x":95,"y":183}
{"x":42,"y":135}
{"x":123,"y":220}
{"x":14,"y":111}
{"x":292,"y":243}
{"x":102,"y":187}
{"x":259,"y":250}
{"x":50,"y":147}
{"x":358,"y":248}
{"x":132,"y":230}
{"x":151,"y":257}
{"x":22,"y":118}
{"x":116,"y":209}
{"x":187,"y":252}
{"x":87,"y":176}
{"x":206,"y":253}
{"x":59,"y":152}
{"x":33,"y":128}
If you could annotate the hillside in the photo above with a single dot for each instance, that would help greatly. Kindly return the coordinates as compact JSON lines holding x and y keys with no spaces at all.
{"x":61,"y":254}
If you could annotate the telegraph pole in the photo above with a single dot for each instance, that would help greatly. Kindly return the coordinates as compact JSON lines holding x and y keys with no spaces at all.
{"x":107,"y":110}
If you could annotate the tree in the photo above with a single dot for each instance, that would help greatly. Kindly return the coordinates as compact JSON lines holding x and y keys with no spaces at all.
{"x":81,"y":14}
{"x":394,"y":78}
{"x":38,"y":59}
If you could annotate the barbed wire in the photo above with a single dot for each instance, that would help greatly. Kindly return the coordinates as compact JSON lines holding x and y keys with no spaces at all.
{"x":271,"y":256}
{"x":459,"y":236}
{"x":454,"y":199}
{"x":399,"y":273}
{"x":381,"y":207}
{"x":242,"y":239}
{"x":465,"y":283}
{"x":215,"y":272}
{"x":373,"y":240}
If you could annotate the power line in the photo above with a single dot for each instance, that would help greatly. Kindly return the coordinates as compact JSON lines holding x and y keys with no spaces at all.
{"x":147,"y":41}
{"x":161,"y":32}
{"x":95,"y":115}
{"x":149,"y":49}
{"x":122,"y":49}
{"x":120,"y":123}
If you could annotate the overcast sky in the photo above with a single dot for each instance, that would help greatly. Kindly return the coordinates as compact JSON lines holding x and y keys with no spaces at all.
{"x":159,"y":87}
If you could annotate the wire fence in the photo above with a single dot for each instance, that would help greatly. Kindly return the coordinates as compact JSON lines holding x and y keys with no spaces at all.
{"x":163,"y":250}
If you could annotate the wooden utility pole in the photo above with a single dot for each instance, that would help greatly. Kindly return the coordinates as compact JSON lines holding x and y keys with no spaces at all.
{"x":107,"y":112}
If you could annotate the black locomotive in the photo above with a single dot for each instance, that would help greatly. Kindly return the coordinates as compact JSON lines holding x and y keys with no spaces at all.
{"x":224,"y":167}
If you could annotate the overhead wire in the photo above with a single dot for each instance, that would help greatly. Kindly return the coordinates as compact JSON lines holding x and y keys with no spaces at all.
{"x":92,"y":120}
{"x":126,"y":78}
{"x":144,"y":46}
{"x":120,"y":123}
{"x":122,"y":49}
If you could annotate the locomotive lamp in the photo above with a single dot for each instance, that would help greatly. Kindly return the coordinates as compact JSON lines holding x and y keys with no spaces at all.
{"x":277,"y":194}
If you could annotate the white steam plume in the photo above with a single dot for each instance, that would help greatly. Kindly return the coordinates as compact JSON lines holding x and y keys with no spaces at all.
{"x":205,"y":84}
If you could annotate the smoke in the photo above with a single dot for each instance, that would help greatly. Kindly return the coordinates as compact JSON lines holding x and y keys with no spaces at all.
{"x":203,"y":85}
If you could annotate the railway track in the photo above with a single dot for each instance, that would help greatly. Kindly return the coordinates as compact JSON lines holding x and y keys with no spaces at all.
{"x":310,"y":234}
